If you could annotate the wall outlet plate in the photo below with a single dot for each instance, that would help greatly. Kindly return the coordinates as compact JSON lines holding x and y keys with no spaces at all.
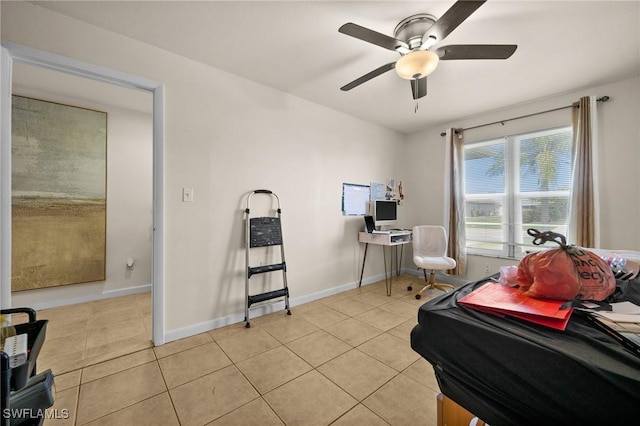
{"x":187,"y":195}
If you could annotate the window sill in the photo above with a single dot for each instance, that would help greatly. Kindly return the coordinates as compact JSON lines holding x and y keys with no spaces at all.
{"x":494,"y":256}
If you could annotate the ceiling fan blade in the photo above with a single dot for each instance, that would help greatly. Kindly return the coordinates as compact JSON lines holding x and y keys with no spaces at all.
{"x":368,"y":76}
{"x":476,"y":51}
{"x":453,"y":17}
{"x":419,"y":87}
{"x":370,"y":36}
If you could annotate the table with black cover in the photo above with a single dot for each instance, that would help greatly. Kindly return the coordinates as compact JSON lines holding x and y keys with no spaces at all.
{"x":510,"y":372}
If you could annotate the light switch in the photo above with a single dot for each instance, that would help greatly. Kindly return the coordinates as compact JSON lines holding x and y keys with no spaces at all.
{"x":187,"y":195}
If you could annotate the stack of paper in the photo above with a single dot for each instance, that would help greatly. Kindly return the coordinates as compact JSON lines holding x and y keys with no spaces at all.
{"x":504,"y":300}
{"x":621,"y":312}
{"x":16,"y":348}
{"x":621,"y":322}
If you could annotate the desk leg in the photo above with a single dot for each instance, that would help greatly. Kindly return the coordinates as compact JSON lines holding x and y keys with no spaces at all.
{"x":399,"y":264}
{"x":364,"y":259}
{"x":387,"y":276}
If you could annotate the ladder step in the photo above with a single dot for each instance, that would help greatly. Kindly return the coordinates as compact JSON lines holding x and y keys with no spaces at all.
{"x":256,"y":298}
{"x":267,"y":268}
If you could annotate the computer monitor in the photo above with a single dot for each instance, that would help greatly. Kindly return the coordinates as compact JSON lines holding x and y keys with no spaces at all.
{"x":384,"y":212}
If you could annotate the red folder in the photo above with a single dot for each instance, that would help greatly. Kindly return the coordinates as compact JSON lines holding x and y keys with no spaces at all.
{"x":504,"y":300}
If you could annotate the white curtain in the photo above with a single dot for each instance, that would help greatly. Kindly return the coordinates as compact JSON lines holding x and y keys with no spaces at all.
{"x":584,"y":209}
{"x":454,"y":216}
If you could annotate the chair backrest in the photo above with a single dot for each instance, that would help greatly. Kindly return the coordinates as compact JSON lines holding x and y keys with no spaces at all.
{"x":429,"y":241}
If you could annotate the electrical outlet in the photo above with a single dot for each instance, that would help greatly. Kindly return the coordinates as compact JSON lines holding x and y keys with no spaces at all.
{"x":487,"y":270}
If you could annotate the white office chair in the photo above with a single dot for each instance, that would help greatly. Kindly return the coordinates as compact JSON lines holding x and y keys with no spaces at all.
{"x":430,"y":252}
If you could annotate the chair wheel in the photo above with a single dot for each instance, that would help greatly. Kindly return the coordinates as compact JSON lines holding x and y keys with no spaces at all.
{"x":409,"y":288}
{"x":248,"y":325}
{"x":288,"y":312}
{"x":418,"y":296}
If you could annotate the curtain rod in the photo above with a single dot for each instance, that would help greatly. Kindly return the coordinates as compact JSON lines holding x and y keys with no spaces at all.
{"x":601,"y":99}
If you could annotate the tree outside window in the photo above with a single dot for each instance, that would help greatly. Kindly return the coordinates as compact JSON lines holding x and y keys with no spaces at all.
{"x":515,"y":183}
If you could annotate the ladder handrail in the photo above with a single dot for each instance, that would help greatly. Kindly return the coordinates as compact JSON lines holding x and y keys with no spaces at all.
{"x":262,"y":191}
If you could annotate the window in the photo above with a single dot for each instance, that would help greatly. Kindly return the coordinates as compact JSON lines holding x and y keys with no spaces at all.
{"x":513,"y":184}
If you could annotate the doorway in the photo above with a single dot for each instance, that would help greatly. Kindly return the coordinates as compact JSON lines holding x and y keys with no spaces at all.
{"x":13,"y":54}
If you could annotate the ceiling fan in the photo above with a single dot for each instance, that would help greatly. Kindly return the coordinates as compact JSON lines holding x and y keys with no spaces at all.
{"x":413,"y":39}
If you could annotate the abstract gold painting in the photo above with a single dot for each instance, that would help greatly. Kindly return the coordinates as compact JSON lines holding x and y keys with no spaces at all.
{"x":59,"y":160}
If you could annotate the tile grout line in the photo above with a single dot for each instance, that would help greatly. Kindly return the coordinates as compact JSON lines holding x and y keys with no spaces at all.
{"x":324,"y":328}
{"x":77,"y":404}
{"x":358,"y":401}
{"x":173,"y":404}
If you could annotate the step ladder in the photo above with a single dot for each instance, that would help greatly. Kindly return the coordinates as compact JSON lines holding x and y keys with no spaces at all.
{"x":264,"y":231}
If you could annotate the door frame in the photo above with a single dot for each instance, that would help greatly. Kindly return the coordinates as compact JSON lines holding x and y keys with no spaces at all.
{"x":11,"y":52}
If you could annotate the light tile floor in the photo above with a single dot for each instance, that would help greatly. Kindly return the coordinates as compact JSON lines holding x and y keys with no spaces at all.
{"x":89,"y":333}
{"x":342,"y":360}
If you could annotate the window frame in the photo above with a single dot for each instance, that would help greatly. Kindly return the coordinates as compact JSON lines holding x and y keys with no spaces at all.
{"x":512,"y":240}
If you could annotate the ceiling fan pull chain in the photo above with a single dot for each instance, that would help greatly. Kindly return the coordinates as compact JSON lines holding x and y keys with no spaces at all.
{"x":415,"y":90}
{"x":414,"y":82}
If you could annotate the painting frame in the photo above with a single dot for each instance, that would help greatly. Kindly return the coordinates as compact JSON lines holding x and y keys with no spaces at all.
{"x":59,"y":194}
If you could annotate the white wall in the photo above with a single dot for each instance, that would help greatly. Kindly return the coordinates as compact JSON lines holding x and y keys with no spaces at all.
{"x":224,"y":137}
{"x":619,"y":136}
{"x":129,"y":205}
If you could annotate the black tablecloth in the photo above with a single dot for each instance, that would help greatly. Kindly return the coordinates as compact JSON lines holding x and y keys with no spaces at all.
{"x":510,"y":372}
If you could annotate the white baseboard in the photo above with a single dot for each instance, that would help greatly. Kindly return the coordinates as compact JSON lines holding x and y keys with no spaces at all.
{"x":90,"y":297}
{"x":181,"y":333}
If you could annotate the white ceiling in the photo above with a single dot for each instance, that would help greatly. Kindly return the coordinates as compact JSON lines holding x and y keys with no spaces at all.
{"x":295,"y":46}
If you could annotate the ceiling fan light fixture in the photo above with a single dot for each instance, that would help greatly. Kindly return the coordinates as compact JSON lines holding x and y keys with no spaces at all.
{"x":417,"y":64}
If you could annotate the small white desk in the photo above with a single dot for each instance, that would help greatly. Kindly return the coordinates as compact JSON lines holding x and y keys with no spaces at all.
{"x":393,"y":239}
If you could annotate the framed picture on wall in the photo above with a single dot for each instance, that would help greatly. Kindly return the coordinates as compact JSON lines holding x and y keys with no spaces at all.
{"x":59,"y":164}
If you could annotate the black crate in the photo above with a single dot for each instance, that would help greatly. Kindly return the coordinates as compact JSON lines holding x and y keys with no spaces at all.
{"x":35,"y":332}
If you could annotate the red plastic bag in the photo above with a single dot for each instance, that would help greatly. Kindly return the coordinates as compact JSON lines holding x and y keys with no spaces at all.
{"x":566,"y":273}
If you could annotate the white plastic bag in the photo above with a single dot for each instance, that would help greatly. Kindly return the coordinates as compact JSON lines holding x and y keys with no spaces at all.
{"x":508,"y":275}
